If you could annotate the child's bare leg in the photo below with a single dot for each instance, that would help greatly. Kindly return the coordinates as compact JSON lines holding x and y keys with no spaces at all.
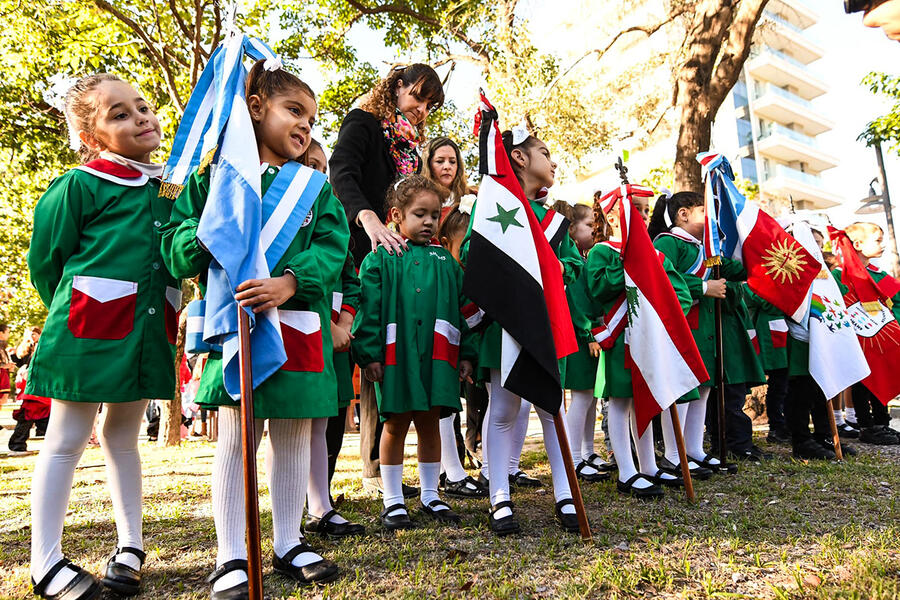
{"x":393,"y":437}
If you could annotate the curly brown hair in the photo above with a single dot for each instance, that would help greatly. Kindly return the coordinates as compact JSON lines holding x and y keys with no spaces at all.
{"x":381,"y":100}
{"x":405,"y":190}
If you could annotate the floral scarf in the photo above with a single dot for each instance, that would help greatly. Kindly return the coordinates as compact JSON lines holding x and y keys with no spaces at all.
{"x":403,"y":138}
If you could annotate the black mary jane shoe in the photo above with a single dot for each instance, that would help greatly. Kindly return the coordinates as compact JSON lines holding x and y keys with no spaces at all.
{"x":521,"y":479}
{"x":123,"y":579}
{"x":410,"y":491}
{"x":698,"y":471}
{"x":671,"y":481}
{"x":465,"y":488}
{"x":325,"y":526}
{"x":445,"y":515}
{"x":604,"y":466}
{"x":721,"y":467}
{"x":83,"y":586}
{"x":395,"y":522}
{"x":652,"y":492}
{"x":321,"y":571}
{"x":568,"y":522}
{"x":594,"y":477}
{"x":507,"y":525}
{"x":240,"y":591}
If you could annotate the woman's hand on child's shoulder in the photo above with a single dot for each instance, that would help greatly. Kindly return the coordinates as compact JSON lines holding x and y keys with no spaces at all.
{"x":374,"y":371}
{"x":263,"y":294}
{"x":466,"y":369}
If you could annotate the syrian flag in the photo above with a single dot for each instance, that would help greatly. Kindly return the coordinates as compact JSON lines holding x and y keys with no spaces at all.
{"x":779,"y":269}
{"x":659,"y":348}
{"x":513,"y":275}
{"x":876,"y":328}
{"x":836,"y":360}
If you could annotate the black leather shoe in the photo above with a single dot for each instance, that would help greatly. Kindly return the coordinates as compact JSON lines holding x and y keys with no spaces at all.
{"x":325,"y":526}
{"x":601,"y":465}
{"x":847,"y":432}
{"x":484,"y":480}
{"x":568,"y":522}
{"x":698,"y":471}
{"x":726,"y":467}
{"x":670,"y":481}
{"x":651,"y":492}
{"x":121,"y":578}
{"x":321,"y":571}
{"x":445,"y":515}
{"x":240,"y":591}
{"x":810,"y":449}
{"x":464,"y":488}
{"x":846,"y":449}
{"x":410,"y":491}
{"x":777,"y":436}
{"x":83,"y":586}
{"x":504,"y":525}
{"x":594,"y":477}
{"x":395,"y":522}
{"x":521,"y":479}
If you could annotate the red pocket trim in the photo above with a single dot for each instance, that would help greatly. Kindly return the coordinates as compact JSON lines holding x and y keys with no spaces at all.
{"x":301,"y":331}
{"x":102,"y":308}
{"x":173,"y":304}
{"x":390,"y":344}
{"x":446,"y":342}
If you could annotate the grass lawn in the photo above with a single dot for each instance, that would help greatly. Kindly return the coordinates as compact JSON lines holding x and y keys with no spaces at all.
{"x":782,"y":529}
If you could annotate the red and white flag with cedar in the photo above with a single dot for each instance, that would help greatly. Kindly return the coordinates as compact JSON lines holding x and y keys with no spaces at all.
{"x":659,"y":347}
{"x":513,"y":275}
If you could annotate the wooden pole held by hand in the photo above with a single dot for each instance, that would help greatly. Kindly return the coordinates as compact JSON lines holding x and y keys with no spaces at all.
{"x":248,"y":445}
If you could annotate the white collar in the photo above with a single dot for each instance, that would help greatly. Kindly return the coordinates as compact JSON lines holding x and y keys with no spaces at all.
{"x":148,"y":169}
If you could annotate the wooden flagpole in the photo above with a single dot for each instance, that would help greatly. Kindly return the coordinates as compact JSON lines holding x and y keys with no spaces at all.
{"x":248,"y":443}
{"x":682,"y":455}
{"x":560,"y":423}
{"x":835,"y":436}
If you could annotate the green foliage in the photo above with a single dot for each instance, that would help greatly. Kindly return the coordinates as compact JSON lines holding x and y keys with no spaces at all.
{"x":887,"y":127}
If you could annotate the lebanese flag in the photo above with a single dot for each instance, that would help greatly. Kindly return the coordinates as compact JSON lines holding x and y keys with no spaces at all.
{"x":779,"y":269}
{"x":613,"y":325}
{"x":876,"y":328}
{"x":513,"y":275}
{"x":659,"y":348}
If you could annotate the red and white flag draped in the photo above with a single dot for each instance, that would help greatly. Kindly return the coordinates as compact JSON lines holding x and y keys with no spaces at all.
{"x":513,"y":275}
{"x":875,"y":325}
{"x":659,"y":348}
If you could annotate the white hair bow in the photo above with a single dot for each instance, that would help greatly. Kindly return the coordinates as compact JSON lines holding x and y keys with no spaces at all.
{"x":519,"y":134}
{"x":466,"y":203}
{"x":668,"y":194}
{"x":273,"y":64}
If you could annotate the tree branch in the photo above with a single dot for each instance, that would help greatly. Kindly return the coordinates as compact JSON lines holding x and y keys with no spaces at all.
{"x":735,"y":50}
{"x":179,"y":21}
{"x":156,"y":55}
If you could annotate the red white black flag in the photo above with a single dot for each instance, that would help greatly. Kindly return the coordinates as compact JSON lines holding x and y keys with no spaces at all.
{"x":513,"y":275}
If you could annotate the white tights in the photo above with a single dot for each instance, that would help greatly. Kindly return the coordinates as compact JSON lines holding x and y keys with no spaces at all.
{"x":519,"y":433}
{"x":67,"y":435}
{"x":580,"y":419}
{"x":622,"y":427}
{"x":503,"y":412}
{"x":288,"y":473}
{"x":450,"y":463}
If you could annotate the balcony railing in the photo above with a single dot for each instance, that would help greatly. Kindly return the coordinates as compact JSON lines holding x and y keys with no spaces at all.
{"x":767,"y":88}
{"x":795,"y":174}
{"x":781,"y":21}
{"x":775,"y":129}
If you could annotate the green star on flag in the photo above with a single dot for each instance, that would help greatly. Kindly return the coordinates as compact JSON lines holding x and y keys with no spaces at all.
{"x":506,"y":218}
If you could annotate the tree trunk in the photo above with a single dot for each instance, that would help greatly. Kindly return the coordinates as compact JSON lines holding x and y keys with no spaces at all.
{"x":170,"y":411}
{"x":717,"y":47}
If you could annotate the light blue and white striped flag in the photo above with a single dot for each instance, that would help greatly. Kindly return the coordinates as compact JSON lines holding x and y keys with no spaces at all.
{"x":242,"y":230}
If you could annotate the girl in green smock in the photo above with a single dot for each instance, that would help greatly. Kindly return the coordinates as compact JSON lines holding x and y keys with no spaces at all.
{"x":282,"y":109}
{"x":411,"y":338}
{"x":95,"y":262}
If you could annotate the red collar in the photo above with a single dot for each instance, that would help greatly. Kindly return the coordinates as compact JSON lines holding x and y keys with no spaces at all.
{"x":114,"y":172}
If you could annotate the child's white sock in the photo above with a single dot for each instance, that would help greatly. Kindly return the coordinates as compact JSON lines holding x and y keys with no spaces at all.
{"x":838,"y":417}
{"x":429,"y":473}
{"x":449,"y":456}
{"x":851,"y":414}
{"x":392,"y":478}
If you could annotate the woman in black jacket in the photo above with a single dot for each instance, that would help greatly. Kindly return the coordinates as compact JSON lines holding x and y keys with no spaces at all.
{"x":377,"y":144}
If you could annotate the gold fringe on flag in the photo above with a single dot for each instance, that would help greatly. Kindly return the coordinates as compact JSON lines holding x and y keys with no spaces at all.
{"x":206,"y":160}
{"x":823,"y":274}
{"x":712,"y":261}
{"x":170,"y":190}
{"x":873,"y":308}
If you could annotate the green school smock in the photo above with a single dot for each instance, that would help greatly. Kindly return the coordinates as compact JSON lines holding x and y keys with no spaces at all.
{"x":742,"y":363}
{"x":94,"y":241}
{"x":581,"y":367}
{"x":416,"y":296}
{"x":761,"y":315}
{"x":345,"y":298}
{"x":315,"y":256}
{"x":568,"y":255}
{"x":682,"y":249}
{"x":604,"y":281}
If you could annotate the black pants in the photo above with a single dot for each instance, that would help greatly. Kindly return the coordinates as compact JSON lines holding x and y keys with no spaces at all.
{"x":806,"y":399}
{"x":476,"y":407}
{"x":18,"y":441}
{"x":869,"y":409}
{"x":334,"y":439}
{"x":369,"y":429}
{"x":775,"y":398}
{"x":738,"y":426}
